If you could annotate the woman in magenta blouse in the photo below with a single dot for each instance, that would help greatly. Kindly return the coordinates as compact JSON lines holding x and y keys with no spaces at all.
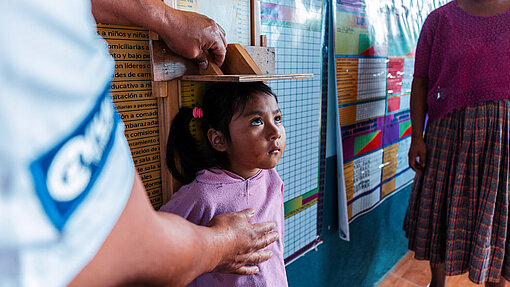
{"x":458,"y":212}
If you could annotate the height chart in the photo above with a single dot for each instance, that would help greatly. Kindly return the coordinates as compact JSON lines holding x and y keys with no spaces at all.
{"x":294,"y":28}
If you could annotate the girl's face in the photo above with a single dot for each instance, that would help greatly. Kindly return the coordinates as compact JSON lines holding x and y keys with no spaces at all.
{"x":257,"y":136}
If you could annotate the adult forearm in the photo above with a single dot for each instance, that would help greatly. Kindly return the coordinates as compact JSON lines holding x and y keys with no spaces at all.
{"x":152,"y":248}
{"x":418,"y":105}
{"x":186,"y":33}
{"x":229,"y":244}
{"x":149,"y":249}
{"x":185,"y":251}
{"x":151,"y":14}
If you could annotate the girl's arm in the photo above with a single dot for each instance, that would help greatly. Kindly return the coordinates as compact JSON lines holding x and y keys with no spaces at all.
{"x":186,"y":33}
{"x":418,"y":151}
{"x":151,"y":248}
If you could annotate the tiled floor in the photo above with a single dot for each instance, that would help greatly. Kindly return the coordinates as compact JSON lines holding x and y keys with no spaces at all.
{"x":410,"y":272}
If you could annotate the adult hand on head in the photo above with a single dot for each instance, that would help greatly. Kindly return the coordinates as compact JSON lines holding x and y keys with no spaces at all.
{"x":417,"y":154}
{"x":191,"y":35}
{"x":243,"y":241}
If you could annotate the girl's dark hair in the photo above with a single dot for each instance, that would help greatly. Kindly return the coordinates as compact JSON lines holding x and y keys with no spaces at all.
{"x":185,"y":157}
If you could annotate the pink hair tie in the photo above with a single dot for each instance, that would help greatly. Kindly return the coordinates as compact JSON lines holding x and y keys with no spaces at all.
{"x":197,"y":113}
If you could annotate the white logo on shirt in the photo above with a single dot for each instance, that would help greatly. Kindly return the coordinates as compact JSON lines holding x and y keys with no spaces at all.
{"x":71,"y":169}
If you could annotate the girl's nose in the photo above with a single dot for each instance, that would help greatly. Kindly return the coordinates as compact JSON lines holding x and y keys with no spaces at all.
{"x":275,"y":133}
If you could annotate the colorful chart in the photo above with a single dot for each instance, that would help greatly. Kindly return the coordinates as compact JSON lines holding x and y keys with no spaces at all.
{"x":375,"y":47}
{"x":367,"y":143}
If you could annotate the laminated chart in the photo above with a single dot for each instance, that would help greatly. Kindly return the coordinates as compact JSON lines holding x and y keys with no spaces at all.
{"x":131,"y":91}
{"x":407,"y":77}
{"x":232,"y":15}
{"x":294,"y":29}
{"x":397,"y":126}
{"x":375,"y":44}
{"x":361,"y":94}
{"x":395,"y":75}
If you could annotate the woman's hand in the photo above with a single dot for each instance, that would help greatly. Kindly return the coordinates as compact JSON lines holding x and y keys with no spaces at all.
{"x":418,"y":105}
{"x":418,"y":154}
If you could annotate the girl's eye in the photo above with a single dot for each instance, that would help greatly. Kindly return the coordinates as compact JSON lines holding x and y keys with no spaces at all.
{"x":278,"y":119}
{"x":256,"y":122}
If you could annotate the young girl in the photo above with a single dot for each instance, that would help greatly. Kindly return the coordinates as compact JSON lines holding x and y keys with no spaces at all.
{"x":232,"y":168}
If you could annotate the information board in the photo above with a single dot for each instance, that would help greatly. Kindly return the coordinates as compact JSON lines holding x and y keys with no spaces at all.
{"x":131,"y":91}
{"x":375,"y":43}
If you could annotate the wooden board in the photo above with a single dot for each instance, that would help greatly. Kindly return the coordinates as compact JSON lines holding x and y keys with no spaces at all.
{"x":244,"y":78}
{"x":264,"y":57}
{"x":167,"y":65}
{"x":168,"y":106}
{"x":238,"y":61}
{"x":212,"y":68}
{"x":132,"y":95}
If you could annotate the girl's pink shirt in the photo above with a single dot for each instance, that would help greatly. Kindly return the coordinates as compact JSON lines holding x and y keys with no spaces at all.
{"x":466,"y":59}
{"x":216,"y":191}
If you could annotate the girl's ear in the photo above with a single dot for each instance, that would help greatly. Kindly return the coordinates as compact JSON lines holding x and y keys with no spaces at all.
{"x":217,"y":140}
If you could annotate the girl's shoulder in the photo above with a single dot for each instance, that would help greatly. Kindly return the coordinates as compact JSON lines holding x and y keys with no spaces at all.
{"x":194,"y":197}
{"x":275,"y":180}
{"x":273,"y":175}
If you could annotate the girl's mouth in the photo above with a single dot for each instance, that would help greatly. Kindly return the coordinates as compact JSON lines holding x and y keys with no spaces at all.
{"x":274,"y":151}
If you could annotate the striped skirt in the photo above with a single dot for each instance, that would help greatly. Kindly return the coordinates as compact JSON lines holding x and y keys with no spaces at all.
{"x":458,"y":210}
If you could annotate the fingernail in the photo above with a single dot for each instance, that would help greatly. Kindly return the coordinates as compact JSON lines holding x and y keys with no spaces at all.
{"x":203,"y":65}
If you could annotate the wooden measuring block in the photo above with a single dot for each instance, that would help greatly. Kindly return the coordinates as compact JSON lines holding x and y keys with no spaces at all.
{"x":212,"y":69}
{"x":166,"y":65}
{"x":239,"y":60}
{"x":244,"y":78}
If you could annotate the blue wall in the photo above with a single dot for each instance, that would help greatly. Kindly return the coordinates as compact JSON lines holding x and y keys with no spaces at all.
{"x":377,"y":243}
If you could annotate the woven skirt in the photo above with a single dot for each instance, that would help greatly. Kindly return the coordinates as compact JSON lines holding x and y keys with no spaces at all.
{"x":458,"y":210}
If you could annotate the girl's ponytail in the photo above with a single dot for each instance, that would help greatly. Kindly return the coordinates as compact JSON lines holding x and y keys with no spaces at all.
{"x":183,"y":156}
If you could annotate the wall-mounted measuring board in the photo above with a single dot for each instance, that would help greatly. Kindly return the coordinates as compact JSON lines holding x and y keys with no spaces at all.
{"x":131,"y":91}
{"x":293,"y":31}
